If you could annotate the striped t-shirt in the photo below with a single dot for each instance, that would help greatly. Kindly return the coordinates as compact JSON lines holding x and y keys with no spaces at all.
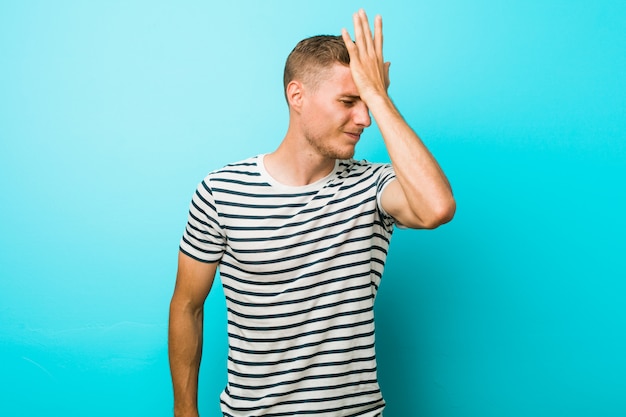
{"x":300,"y":268}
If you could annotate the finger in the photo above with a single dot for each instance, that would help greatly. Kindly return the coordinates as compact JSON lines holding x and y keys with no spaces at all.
{"x":378,"y":35}
{"x":387,"y":80}
{"x":348,"y":41}
{"x":367,"y":33}
{"x":362,"y":34}
{"x":358,"y":31}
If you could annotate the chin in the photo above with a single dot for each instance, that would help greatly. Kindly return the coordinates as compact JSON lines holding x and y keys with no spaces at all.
{"x":342,"y":154}
{"x":348,"y":154}
{"x":334,"y":152}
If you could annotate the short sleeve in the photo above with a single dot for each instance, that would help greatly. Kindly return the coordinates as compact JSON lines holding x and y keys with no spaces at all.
{"x":204,"y":238}
{"x":386,"y":174}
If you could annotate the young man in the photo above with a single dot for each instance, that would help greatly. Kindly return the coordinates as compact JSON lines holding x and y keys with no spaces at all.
{"x":300,"y":236}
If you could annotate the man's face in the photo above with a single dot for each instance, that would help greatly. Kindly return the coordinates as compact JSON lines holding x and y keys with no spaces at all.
{"x":333,"y":114}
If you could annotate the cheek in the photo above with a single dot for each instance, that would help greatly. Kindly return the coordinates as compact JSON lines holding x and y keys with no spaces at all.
{"x":325,"y":118}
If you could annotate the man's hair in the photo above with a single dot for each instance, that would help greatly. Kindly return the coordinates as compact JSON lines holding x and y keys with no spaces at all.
{"x":312,"y":57}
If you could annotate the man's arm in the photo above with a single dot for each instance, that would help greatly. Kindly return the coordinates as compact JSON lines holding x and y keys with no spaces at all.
{"x":193,"y":283}
{"x":421,"y":197}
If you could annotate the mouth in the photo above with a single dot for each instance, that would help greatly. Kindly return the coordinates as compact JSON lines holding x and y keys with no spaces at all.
{"x":354,"y":135}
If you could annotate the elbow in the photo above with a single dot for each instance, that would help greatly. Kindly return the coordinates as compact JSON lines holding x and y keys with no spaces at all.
{"x":441,"y":214}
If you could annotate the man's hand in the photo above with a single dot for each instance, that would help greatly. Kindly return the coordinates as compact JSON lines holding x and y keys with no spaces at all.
{"x":421,"y":197}
{"x":369,"y":70}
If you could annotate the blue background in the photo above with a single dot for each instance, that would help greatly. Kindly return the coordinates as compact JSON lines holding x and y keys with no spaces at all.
{"x":112,"y":111}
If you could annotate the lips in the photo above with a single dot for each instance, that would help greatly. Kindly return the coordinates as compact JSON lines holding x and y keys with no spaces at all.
{"x":354,"y":135}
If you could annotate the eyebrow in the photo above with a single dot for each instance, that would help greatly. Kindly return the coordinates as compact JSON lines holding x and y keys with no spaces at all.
{"x":350,"y":96}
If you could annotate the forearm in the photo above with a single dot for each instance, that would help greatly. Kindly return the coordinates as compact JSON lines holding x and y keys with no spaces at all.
{"x":423,"y":197}
{"x":425,"y":186}
{"x":185,"y":351}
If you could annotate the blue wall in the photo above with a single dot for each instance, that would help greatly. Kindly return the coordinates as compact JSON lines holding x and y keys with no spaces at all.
{"x":112,"y":111}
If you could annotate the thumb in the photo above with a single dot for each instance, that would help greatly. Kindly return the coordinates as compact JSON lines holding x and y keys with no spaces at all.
{"x":387,"y":81}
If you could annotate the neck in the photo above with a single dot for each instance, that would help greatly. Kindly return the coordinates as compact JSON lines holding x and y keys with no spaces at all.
{"x":295,"y":163}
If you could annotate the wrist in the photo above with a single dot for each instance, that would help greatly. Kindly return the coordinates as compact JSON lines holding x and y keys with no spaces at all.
{"x":185,"y":411}
{"x":188,"y":413}
{"x":378,"y":102}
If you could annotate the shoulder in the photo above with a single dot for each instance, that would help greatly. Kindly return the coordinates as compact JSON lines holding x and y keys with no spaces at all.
{"x":245,"y":171}
{"x":353,"y":167}
{"x":249,"y":166}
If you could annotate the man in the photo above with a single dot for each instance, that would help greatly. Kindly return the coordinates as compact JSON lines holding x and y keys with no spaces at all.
{"x":300,"y":236}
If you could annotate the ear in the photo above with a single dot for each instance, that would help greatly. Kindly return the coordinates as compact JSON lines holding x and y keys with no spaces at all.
{"x":295,"y":95}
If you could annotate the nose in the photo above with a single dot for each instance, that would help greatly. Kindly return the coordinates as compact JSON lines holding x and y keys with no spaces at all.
{"x":361,"y":115}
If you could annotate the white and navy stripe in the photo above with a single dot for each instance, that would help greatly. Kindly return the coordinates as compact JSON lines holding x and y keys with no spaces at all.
{"x":300,"y":267}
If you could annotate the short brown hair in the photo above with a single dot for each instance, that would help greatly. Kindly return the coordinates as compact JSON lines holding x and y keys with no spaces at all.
{"x":312,"y":56}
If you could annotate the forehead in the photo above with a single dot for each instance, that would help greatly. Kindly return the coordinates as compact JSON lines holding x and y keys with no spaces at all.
{"x":338,"y":80}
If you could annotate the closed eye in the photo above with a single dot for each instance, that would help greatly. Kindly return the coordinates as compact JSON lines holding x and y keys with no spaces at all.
{"x":348,"y":100}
